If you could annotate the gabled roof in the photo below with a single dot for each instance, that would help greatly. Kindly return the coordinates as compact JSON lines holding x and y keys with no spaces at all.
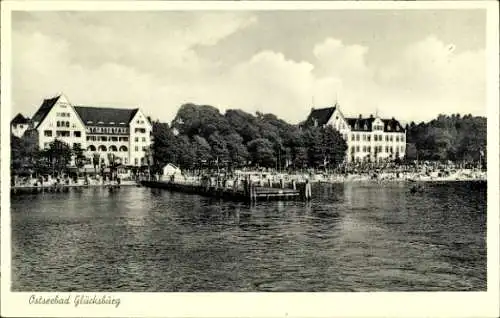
{"x":321,"y":116}
{"x":360,"y":124}
{"x":392,"y":125}
{"x":19,"y":119}
{"x":365,"y":124}
{"x":44,"y":109}
{"x":105,"y":116}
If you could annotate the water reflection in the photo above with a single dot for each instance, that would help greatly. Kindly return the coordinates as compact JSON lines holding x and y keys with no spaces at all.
{"x":349,"y":238}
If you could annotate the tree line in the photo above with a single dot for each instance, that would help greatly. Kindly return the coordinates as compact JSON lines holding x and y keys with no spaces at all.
{"x":453,"y":138}
{"x":201,"y":136}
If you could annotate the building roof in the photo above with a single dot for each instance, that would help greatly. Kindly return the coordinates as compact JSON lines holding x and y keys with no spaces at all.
{"x":392,"y":125}
{"x":20,"y":119}
{"x":365,"y":124}
{"x":105,"y":116}
{"x":44,"y":109}
{"x":321,"y":116}
{"x":360,"y":124}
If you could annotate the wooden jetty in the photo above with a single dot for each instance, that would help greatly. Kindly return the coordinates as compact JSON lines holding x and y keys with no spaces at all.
{"x":248,"y":193}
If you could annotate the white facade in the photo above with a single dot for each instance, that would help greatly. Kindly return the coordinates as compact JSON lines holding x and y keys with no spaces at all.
{"x":63,"y":123}
{"x":102,"y":136}
{"x":140,"y":139}
{"x":370,"y":139}
{"x":18,"y":129}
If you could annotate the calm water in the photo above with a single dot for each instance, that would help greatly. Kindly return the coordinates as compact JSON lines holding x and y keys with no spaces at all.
{"x":349,"y":238}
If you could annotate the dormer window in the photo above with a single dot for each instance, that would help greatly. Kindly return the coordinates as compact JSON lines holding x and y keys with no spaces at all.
{"x":111,"y":122}
{"x":366,"y":126}
{"x":122,"y":123}
{"x":100,"y":122}
{"x":90,"y":122}
{"x":388,"y":128}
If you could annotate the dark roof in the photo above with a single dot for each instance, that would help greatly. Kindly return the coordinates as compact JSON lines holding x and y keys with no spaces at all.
{"x":393,"y":124}
{"x":105,"y":116}
{"x":19,"y":119}
{"x":320,"y":115}
{"x":365,"y":124}
{"x":360,"y":124}
{"x":44,"y":109}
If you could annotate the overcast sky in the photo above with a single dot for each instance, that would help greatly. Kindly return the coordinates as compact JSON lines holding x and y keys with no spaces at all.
{"x":412,"y":65}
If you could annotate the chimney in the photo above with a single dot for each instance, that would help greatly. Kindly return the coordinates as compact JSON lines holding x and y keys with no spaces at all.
{"x":360,"y":116}
{"x":371,"y":116}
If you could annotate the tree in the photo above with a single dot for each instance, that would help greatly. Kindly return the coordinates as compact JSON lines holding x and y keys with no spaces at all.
{"x":79,"y":157}
{"x":262,"y":152}
{"x":219,"y":147}
{"x":163,"y":147}
{"x":57,"y":156}
{"x":334,"y":146}
{"x":238,"y":153}
{"x":24,"y":153}
{"x":96,"y":158}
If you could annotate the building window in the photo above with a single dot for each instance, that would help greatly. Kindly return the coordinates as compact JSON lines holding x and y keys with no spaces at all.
{"x":136,"y":161}
{"x":102,"y":148}
{"x":375,"y":137}
{"x":352,"y":137}
{"x":104,"y":138}
{"x":62,"y":133}
{"x":368,"y":137}
{"x":144,"y":139}
{"x":140,"y":130}
{"x":77,"y":144}
{"x":77,"y":134}
{"x":91,"y":148}
{"x":123,"y":148}
{"x":364,"y":148}
{"x":390,"y":138}
{"x":113,"y":148}
{"x":397,"y":138}
{"x":368,"y":149}
{"x":114,"y":138}
{"x":386,"y":138}
{"x":136,"y":139}
{"x":357,"y":137}
{"x":47,"y":133}
{"x":136,"y":148}
{"x":402,"y":149}
{"x":403,"y":138}
{"x":357,"y":148}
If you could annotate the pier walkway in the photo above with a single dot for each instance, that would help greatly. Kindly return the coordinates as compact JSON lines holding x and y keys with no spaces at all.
{"x":247,"y":193}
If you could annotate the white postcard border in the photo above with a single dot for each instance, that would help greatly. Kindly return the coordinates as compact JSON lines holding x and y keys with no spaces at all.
{"x":435,"y":304}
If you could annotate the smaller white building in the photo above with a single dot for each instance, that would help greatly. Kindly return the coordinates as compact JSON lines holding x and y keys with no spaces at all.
{"x":171,"y":169}
{"x":19,"y":125}
{"x":369,"y":139}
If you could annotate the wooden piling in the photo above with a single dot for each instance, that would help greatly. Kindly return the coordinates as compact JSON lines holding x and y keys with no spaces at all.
{"x":307,"y":191}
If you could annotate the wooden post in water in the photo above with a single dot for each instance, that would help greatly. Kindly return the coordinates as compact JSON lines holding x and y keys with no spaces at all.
{"x":294,"y":185}
{"x":270,"y":182}
{"x":307,"y":191}
{"x":282,"y":183}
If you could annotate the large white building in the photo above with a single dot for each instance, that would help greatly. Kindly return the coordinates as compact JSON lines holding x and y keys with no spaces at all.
{"x":125,"y":133}
{"x":372,"y":139}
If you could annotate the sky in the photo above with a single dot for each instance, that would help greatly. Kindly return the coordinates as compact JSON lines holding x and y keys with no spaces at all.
{"x":407,"y":64}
